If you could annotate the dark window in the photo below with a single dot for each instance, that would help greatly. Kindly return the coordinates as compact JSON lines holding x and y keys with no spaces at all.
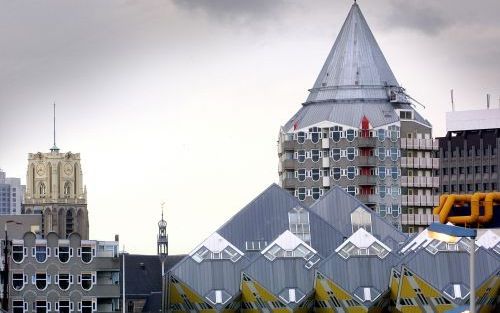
{"x":445,"y":188}
{"x":41,"y":280}
{"x":453,"y":188}
{"x":485,"y":169}
{"x":469,"y":169}
{"x":86,"y":281}
{"x":315,"y":155}
{"x":315,"y":134}
{"x":469,"y":188}
{"x":461,"y":188}
{"x":445,"y":171}
{"x":63,"y":254}
{"x":477,"y":169}
{"x":17,"y":253}
{"x":478,"y":152}
{"x":18,"y":281}
{"x":17,"y":306}
{"x":64,"y":306}
{"x":494,"y":186}
{"x":301,"y":137}
{"x":493,"y":168}
{"x":86,"y":307}
{"x":86,"y":254}
{"x":315,"y":174}
{"x":486,"y":186}
{"x":64,"y":281}
{"x":453,"y":171}
{"x":461,"y":170}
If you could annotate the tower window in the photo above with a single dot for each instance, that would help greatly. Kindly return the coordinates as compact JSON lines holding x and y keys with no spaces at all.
{"x":18,"y":281}
{"x":41,"y":280}
{"x":301,"y":137}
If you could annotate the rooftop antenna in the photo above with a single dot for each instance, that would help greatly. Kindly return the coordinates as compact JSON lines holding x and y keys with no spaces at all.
{"x":162,"y":206}
{"x":54,"y":147}
{"x":452,"y":101}
{"x":488,"y":101}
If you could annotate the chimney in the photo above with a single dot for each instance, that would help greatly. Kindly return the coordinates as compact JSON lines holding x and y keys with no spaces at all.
{"x":117,"y":238}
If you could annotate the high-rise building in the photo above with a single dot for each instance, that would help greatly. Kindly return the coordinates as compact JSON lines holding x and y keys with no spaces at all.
{"x":469,"y":152}
{"x":54,"y":188}
{"x":359,"y":130}
{"x":11,"y":194}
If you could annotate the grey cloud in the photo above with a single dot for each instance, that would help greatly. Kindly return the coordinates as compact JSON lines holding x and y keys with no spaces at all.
{"x":418,"y":16}
{"x":234,"y":10}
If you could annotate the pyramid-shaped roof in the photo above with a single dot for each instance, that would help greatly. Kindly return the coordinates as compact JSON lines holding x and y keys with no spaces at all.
{"x":356,"y":67}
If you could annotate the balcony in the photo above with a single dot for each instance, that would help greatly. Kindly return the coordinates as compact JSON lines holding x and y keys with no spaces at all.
{"x":424,"y":163}
{"x":364,"y":142}
{"x":288,"y":164}
{"x":367,"y":180}
{"x":368,"y":199}
{"x":289,"y":183}
{"x":419,"y":200}
{"x":367,"y":161}
{"x":419,"y":144}
{"x":418,"y":219}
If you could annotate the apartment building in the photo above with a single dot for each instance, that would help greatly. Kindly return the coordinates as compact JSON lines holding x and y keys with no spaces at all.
{"x":359,"y":130}
{"x":469,"y":152}
{"x":11,"y":194}
{"x":63,"y":275}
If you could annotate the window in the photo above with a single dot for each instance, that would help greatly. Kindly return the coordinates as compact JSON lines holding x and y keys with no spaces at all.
{"x":87,"y":306}
{"x":315,"y":174}
{"x":18,"y":281}
{"x":381,"y":153}
{"x":405,"y":115}
{"x":64,"y":306}
{"x":301,"y":194}
{"x":86,"y":253}
{"x":301,"y":137}
{"x":477,"y":169}
{"x":298,"y":221}
{"x":64,"y":253}
{"x":382,"y":211}
{"x":42,"y":306}
{"x":351,"y":190}
{"x":382,"y":191}
{"x":67,"y":188}
{"x":351,"y":152}
{"x":315,"y":134}
{"x":42,"y":189}
{"x":381,"y":172}
{"x":394,"y":154}
{"x":64,"y":281}
{"x":336,"y":173}
{"x":336,"y":154}
{"x":87,"y":280}
{"x":394,"y":133}
{"x":396,"y":210}
{"x":394,"y":172}
{"x":301,"y":156}
{"x":394,"y":191}
{"x":381,"y":134}
{"x":336,"y":133}
{"x":19,"y":306}
{"x":301,"y":174}
{"x":257,"y":245}
{"x":361,"y":219}
{"x":204,"y":253}
{"x":315,"y":155}
{"x":18,"y":253}
{"x":350,"y":134}
{"x":351,"y":172}
{"x":41,"y":280}
{"x":493,"y":168}
{"x":316,"y":193}
{"x":40,"y":252}
{"x":461,"y":170}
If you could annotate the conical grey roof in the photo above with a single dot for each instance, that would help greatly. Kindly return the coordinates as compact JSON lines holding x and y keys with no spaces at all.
{"x":356,"y":67}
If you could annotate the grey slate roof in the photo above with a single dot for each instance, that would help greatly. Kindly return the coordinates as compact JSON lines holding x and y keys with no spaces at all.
{"x":359,"y":271}
{"x":336,"y":207}
{"x":266,"y":217}
{"x":356,"y":67}
{"x":452,"y":267}
{"x":282,"y":273}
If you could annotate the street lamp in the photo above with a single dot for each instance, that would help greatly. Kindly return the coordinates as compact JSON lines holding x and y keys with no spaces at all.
{"x":5,"y":299}
{"x":451,"y":234}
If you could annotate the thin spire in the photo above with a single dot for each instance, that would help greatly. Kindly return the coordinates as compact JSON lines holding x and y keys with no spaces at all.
{"x":162,"y":205}
{"x":54,"y":147}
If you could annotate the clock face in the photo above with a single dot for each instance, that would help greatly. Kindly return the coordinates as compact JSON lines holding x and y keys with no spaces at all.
{"x":68,"y":169}
{"x":40,"y":169}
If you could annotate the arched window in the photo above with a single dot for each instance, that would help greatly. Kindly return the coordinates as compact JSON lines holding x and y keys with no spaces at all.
{"x":67,"y":188}
{"x":42,"y":189}
{"x":69,"y":222}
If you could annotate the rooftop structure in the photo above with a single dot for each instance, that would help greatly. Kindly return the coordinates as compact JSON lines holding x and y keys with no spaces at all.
{"x":11,"y":194}
{"x":359,"y":130}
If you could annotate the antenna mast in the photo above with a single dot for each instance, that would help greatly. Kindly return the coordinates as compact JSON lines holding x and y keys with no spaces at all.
{"x":452,"y":101}
{"x":54,"y":147}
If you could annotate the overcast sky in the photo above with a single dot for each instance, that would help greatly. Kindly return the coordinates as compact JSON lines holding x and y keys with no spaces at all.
{"x":181,"y":100}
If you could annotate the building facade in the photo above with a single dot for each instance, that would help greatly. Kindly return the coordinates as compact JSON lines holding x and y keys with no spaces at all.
{"x":469,"y":152}
{"x":279,"y":255}
{"x":359,"y":130}
{"x":11,"y":194}
{"x":63,"y":275}
{"x":54,"y":188}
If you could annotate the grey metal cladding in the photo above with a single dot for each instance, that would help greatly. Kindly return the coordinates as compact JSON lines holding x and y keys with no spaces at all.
{"x":359,"y":271}
{"x":336,"y":207}
{"x":211,"y":274}
{"x":264,"y":219}
{"x":281,"y":273}
{"x":354,"y":60}
{"x":446,"y":267}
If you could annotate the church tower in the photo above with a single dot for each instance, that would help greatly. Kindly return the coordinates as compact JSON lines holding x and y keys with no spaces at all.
{"x":54,"y":188}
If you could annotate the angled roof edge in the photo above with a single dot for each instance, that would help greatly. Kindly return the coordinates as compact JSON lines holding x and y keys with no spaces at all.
{"x":215,"y":243}
{"x":288,"y":241}
{"x":357,"y":240}
{"x":360,"y":204}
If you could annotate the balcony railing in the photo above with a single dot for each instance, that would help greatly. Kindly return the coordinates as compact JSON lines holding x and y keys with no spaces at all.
{"x":424,"y":163}
{"x":419,"y":200}
{"x":419,"y":181}
{"x":419,"y":144}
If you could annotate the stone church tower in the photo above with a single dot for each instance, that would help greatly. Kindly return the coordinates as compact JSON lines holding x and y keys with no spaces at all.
{"x":54,"y":188}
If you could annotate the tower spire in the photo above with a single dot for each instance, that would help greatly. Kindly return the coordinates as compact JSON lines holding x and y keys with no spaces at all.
{"x":54,"y":147}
